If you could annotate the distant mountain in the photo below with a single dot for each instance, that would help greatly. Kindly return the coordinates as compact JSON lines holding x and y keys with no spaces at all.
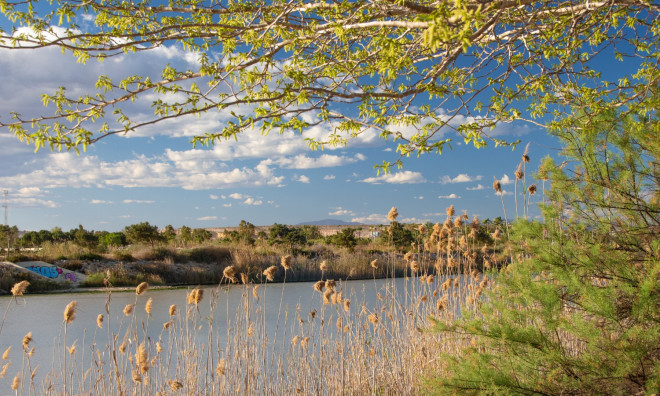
{"x":328,"y":222}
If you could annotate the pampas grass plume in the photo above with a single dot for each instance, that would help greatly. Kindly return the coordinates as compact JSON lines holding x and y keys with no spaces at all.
{"x":270,"y":272}
{"x":393,"y":214}
{"x":128,"y":309}
{"x":141,"y":288}
{"x":149,"y":305}
{"x":19,"y":288}
{"x":70,"y":312}
{"x":286,"y":261}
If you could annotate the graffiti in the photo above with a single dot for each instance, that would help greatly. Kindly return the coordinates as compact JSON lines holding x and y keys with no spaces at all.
{"x":53,"y":272}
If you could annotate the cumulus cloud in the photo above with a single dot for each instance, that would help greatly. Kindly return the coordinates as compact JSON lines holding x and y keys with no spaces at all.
{"x":329,"y":177}
{"x":460,"y":178}
{"x":450,"y":196}
{"x":476,"y":188}
{"x":253,"y":202}
{"x":207,"y":218}
{"x":213,"y":196}
{"x":302,"y":179}
{"x":505,"y":180}
{"x":375,"y":218}
{"x":137,"y":201}
{"x":236,"y":196}
{"x":100,"y":202}
{"x":303,"y":161}
{"x":341,"y":212}
{"x":405,"y":177}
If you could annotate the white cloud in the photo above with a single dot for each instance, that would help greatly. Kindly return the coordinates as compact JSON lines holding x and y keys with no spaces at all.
{"x":100,"y":202}
{"x":329,"y":177}
{"x":478,"y":187}
{"x":450,"y":196}
{"x":126,"y":216}
{"x":341,"y":212}
{"x":236,"y":196}
{"x":460,"y":178}
{"x":253,"y":202}
{"x":303,"y":161}
{"x":302,"y":179}
{"x":420,"y":198}
{"x":405,"y":177}
{"x":207,"y":218}
{"x":505,"y":180}
{"x":375,"y":218}
{"x":138,"y":201}
{"x":227,"y":205}
{"x":213,"y":196}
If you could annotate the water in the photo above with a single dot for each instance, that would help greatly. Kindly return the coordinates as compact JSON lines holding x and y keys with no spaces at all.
{"x":43,"y":316}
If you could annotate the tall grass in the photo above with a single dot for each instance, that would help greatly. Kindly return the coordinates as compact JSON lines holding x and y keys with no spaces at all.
{"x":347,"y":346}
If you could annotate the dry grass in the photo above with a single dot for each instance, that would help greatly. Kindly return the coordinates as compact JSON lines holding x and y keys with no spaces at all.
{"x":349,"y":347}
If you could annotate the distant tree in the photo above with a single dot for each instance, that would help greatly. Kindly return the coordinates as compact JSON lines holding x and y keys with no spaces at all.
{"x":400,"y":236}
{"x":200,"y":235}
{"x":84,"y":238}
{"x":58,"y":235}
{"x":8,"y":237}
{"x":169,"y":234}
{"x":283,"y":234}
{"x":246,"y":232}
{"x":185,"y":235}
{"x":344,"y":238}
{"x":142,"y":233}
{"x":311,"y":232}
{"x":114,"y":239}
{"x":30,"y":239}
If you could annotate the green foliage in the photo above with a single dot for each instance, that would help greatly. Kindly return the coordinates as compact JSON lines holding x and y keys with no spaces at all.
{"x":344,"y":238}
{"x":114,"y":239}
{"x":413,"y":65}
{"x":142,"y":233}
{"x":579,"y":312}
{"x":283,"y":234}
{"x":397,"y":234}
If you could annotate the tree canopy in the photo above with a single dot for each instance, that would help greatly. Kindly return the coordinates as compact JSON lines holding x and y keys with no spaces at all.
{"x":417,"y":71}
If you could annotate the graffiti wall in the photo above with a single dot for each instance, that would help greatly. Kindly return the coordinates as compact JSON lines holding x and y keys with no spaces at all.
{"x":53,"y":272}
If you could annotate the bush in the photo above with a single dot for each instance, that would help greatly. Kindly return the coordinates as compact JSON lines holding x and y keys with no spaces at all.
{"x":89,"y":256}
{"x":122,"y":256}
{"x":209,"y":255}
{"x":577,"y":311}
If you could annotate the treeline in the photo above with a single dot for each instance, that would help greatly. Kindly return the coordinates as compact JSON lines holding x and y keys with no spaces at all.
{"x":398,"y":235}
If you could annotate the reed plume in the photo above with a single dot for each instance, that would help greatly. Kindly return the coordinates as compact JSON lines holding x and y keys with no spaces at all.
{"x":176,"y":386}
{"x":27,"y":339}
{"x":99,"y":321}
{"x":149,"y":305}
{"x":172,"y":310}
{"x":128,"y":309}
{"x":3,"y":372}
{"x":393,"y":214}
{"x":270,"y":272}
{"x":5,"y":355}
{"x":318,"y":286}
{"x":230,"y":273}
{"x":195,"y":296}
{"x":16,"y":382}
{"x":286,"y":262}
{"x":323,"y":266}
{"x":450,"y":211}
{"x":19,"y":288}
{"x":221,"y":368}
{"x":142,"y":358}
{"x":70,"y":312}
{"x":374,"y":264}
{"x":141,"y":288}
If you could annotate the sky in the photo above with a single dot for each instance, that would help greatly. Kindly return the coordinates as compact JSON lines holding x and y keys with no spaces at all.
{"x":155,"y":174}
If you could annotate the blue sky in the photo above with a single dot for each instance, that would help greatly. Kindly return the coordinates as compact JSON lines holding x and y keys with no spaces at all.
{"x":155,"y":175}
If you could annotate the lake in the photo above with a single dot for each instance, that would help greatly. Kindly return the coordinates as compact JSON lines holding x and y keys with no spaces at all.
{"x":279,"y":315}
